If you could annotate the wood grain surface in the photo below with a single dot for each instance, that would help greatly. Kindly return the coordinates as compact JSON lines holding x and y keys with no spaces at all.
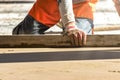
{"x":57,"y":41}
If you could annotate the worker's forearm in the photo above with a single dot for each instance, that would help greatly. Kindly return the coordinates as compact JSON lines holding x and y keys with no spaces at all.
{"x":66,"y":12}
{"x":117,"y":5}
{"x":116,"y":2}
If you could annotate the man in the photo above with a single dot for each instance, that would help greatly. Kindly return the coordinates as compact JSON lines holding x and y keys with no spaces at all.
{"x":76,"y":16}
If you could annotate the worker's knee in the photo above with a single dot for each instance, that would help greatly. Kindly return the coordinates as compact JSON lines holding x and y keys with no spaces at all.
{"x":85,"y":24}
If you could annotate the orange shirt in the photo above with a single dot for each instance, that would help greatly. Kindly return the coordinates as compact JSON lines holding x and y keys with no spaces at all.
{"x":47,"y":11}
{"x":85,"y":9}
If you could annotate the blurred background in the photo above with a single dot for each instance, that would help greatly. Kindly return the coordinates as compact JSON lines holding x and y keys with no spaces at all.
{"x":106,"y":18}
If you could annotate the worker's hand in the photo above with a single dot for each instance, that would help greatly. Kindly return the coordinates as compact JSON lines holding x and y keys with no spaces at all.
{"x":78,"y":37}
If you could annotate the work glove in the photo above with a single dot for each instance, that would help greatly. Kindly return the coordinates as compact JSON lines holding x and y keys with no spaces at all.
{"x":77,"y":36}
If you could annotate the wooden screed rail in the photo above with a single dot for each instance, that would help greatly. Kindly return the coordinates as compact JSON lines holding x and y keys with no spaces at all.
{"x":57,"y":41}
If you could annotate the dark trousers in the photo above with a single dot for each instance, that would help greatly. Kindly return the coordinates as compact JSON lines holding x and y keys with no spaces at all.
{"x":29,"y":26}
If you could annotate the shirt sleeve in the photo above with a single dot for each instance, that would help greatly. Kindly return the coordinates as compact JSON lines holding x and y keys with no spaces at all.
{"x":66,"y":11}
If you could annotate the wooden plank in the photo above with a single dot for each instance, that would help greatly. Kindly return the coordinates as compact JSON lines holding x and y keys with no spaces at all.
{"x":15,"y":8}
{"x":17,"y":1}
{"x":107,"y":27}
{"x":57,"y":41}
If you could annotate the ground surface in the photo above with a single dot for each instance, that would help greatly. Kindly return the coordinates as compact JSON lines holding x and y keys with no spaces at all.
{"x":60,"y":63}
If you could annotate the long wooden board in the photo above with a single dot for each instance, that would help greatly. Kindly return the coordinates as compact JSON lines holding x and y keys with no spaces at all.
{"x":17,"y":1}
{"x":57,"y":41}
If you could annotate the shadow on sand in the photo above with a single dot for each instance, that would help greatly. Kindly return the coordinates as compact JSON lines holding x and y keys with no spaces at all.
{"x":59,"y":56}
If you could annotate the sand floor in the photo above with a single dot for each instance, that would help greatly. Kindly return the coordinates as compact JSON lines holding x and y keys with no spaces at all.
{"x":60,"y":63}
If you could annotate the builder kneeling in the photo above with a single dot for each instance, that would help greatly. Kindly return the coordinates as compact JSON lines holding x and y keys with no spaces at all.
{"x":76,"y":16}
